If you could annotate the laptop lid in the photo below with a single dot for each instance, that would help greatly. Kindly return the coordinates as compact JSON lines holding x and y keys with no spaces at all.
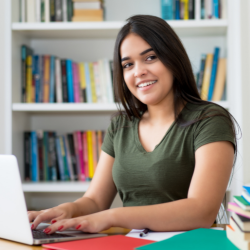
{"x":14,"y":222}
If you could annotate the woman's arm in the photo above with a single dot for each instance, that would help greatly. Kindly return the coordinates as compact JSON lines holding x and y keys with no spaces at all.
{"x":213,"y":166}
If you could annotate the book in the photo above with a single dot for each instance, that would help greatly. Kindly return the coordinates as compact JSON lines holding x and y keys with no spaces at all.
{"x":186,"y":9}
{"x":40,"y":153}
{"x":87,"y":5}
{"x":216,"y":9}
{"x":34,"y":157}
{"x":80,"y":153}
{"x":60,"y":159}
{"x":42,"y":10}
{"x":58,"y":77}
{"x":38,"y":11}
{"x":64,"y":11}
{"x":202,"y":9}
{"x":45,"y":156}
{"x":243,"y":222}
{"x":82,"y":81}
{"x":64,"y":158}
{"x":76,"y":84}
{"x":201,"y":72}
{"x":208,"y":9}
{"x":52,"y":11}
{"x":41,"y":91}
{"x":113,"y":242}
{"x":92,"y":83}
{"x":103,"y":82}
{"x":220,"y":80}
{"x":94,"y":149}
{"x":47,"y":10}
{"x":191,"y":9}
{"x":36,"y":76}
{"x":75,"y":139}
{"x":52,"y":175}
{"x":108,"y":80}
{"x":90,"y":154}
{"x":88,"y":83}
{"x":22,"y":11}
{"x":243,"y":235}
{"x":247,"y":188}
{"x":213,"y":73}
{"x":245,"y":195}
{"x":29,"y":79}
{"x":31,"y":11}
{"x":52,"y":80}
{"x":46,"y":79}
{"x":206,"y":77}
{"x":58,"y":11}
{"x":98,"y":88}
{"x":64,"y":81}
{"x":90,"y":15}
{"x":232,"y":236}
{"x":85,"y":154}
{"x":72,"y":155}
{"x":70,"y":80}
{"x":68,"y":157}
{"x":233,"y":207}
{"x":242,"y":202}
{"x":167,"y":9}
{"x":27,"y":155}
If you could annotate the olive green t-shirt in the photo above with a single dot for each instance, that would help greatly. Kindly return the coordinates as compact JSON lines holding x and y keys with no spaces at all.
{"x":163,"y":175}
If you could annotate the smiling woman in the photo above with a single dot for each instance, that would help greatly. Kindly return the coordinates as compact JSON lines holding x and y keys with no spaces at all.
{"x":164,"y":152}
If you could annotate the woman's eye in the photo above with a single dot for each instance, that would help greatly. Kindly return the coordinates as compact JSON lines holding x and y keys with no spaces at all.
{"x":150,"y":58}
{"x":126,"y":65}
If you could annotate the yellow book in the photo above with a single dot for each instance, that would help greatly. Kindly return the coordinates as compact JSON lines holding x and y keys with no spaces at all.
{"x":92,"y":82}
{"x":82,"y":81}
{"x":206,"y":77}
{"x":46,"y":78}
{"x":220,"y":80}
{"x":29,"y":79}
{"x":90,"y":154}
{"x":185,"y":6}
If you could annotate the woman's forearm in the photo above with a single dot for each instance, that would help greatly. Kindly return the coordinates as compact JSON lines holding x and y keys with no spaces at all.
{"x":186,"y":214}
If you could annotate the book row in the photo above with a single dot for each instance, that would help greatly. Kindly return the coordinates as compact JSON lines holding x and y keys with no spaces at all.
{"x":211,"y":77}
{"x":185,"y":9}
{"x":238,"y":231}
{"x":46,"y":78}
{"x":52,"y":157}
{"x":60,"y":10}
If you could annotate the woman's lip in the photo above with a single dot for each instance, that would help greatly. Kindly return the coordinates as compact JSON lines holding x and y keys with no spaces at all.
{"x":147,"y":87}
{"x":137,"y":85}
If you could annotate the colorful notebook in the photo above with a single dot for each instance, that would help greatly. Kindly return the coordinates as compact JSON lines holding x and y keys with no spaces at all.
{"x":105,"y":243}
{"x":202,"y":238}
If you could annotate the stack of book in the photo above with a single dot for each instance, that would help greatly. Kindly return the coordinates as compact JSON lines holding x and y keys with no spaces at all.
{"x":46,"y":78}
{"x":52,"y":157}
{"x":212,"y":76}
{"x":87,"y":10}
{"x":46,"y":10}
{"x":238,"y":232}
{"x":213,"y":9}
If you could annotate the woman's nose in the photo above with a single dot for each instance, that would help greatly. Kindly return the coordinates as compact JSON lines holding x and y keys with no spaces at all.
{"x":140,"y":70}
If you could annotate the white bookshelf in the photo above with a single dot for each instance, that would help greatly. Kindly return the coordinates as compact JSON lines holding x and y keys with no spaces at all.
{"x":90,"y":41}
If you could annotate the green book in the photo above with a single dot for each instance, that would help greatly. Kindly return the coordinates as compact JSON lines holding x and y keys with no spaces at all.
{"x":242,"y":202}
{"x":202,"y":238}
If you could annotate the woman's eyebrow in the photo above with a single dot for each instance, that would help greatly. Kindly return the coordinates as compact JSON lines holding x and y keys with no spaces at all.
{"x":141,"y":54}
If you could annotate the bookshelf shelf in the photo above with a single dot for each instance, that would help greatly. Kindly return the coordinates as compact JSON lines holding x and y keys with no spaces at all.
{"x":110,"y":29}
{"x":55,"y":107}
{"x":84,"y":107}
{"x":69,"y":187}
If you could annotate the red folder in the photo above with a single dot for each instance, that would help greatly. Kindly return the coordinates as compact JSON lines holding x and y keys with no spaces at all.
{"x":115,"y":242}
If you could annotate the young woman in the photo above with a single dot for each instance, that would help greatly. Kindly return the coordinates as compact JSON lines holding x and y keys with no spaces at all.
{"x":169,"y":154}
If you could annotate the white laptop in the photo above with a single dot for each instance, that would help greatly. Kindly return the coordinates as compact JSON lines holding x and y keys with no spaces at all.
{"x":14,"y":222}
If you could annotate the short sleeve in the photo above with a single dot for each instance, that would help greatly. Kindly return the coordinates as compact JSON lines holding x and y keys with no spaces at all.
{"x":213,"y":129}
{"x":108,"y":142}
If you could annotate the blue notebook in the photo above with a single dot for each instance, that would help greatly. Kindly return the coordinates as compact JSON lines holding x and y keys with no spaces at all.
{"x":247,"y":189}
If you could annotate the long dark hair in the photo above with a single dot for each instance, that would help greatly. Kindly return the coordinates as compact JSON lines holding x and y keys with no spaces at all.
{"x":170,"y":51}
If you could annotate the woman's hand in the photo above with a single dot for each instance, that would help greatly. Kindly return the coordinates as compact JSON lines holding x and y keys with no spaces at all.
{"x":92,"y":223}
{"x":63,"y":211}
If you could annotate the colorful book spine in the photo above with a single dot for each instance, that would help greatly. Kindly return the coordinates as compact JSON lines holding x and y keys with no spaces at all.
{"x":83,"y":81}
{"x":41,"y":91}
{"x":69,"y":159}
{"x":186,"y":9}
{"x":201,"y":73}
{"x":108,"y":81}
{"x":34,"y":157}
{"x":52,"y":11}
{"x":64,"y":81}
{"x":97,"y":82}
{"x":85,"y":154}
{"x":206,"y":77}
{"x":103,"y":81}
{"x":167,"y":9}
{"x":52,"y":80}
{"x":77,"y":155}
{"x":213,"y":73}
{"x":58,"y":81}
{"x":92,"y":82}
{"x":64,"y":10}
{"x":88,"y":83}
{"x":65,"y":153}
{"x":70,"y":81}
{"x":65,"y":165}
{"x":29,"y":79}
{"x":23,"y":72}
{"x":40,"y":153}
{"x":45,"y":157}
{"x":79,"y":82}
{"x":60,"y":159}
{"x":191,"y":9}
{"x":94,"y":149}
{"x":36,"y":74}
{"x":76,"y":83}
{"x":80,"y":153}
{"x":58,"y":10}
{"x":52,"y":156}
{"x":73,"y":157}
{"x":216,"y":9}
{"x":46,"y":78}
{"x":202,"y":9}
{"x":90,"y":154}
{"x":177,"y":9}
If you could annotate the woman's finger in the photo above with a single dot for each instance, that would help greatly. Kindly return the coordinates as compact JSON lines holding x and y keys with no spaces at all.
{"x":62,"y":225}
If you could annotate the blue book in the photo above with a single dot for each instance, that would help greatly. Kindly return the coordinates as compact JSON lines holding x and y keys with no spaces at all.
{"x":46,"y":173}
{"x":216,"y":8}
{"x":52,"y":80}
{"x":60,"y":159}
{"x":88,"y":85}
{"x":213,"y":73}
{"x":70,"y":80}
{"x":247,"y":189}
{"x":36,"y":74}
{"x":34,"y":157}
{"x":167,"y":9}
{"x":66,"y":169}
{"x":177,"y":9}
{"x":202,"y":9}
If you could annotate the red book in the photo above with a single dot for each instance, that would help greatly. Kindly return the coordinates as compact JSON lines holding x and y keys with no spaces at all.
{"x":80,"y":153}
{"x":116,"y":242}
{"x":85,"y":154}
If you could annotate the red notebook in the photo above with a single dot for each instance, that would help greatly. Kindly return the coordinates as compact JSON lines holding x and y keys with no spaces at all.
{"x":115,"y":242}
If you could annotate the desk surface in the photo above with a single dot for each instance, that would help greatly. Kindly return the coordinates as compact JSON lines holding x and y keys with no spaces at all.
{"x":10,"y":245}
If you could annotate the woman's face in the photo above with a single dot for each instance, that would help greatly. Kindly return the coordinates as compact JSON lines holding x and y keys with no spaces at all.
{"x":145,"y":75}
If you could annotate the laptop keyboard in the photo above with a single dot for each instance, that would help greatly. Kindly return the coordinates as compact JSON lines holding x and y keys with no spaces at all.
{"x":39,"y":234}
